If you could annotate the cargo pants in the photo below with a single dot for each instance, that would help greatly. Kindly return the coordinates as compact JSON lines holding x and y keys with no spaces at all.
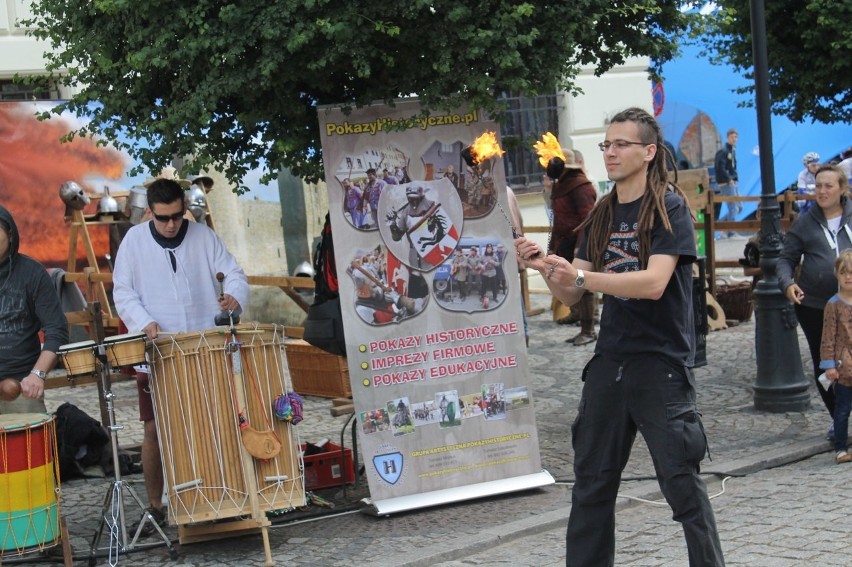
{"x":656,"y":396}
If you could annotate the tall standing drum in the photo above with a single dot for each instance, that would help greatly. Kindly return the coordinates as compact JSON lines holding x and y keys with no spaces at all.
{"x":29,"y":485}
{"x":193,"y":385}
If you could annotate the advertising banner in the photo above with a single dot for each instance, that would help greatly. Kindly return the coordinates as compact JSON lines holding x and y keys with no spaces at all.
{"x":431,"y":304}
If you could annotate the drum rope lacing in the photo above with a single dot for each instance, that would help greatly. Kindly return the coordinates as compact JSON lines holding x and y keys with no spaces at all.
{"x":192,"y":398}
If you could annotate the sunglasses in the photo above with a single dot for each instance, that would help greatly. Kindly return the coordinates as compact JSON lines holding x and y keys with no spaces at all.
{"x":165,"y":219}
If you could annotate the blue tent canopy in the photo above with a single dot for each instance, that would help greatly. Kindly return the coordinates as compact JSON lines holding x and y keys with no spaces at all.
{"x":693,"y":85}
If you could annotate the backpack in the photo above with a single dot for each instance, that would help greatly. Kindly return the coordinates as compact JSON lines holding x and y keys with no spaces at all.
{"x":80,"y":441}
{"x":325,"y":270}
{"x":324,"y":324}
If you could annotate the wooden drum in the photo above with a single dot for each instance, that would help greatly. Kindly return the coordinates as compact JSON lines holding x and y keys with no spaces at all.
{"x":79,"y":358}
{"x":209,"y":474}
{"x":29,"y":483}
{"x":125,"y":350}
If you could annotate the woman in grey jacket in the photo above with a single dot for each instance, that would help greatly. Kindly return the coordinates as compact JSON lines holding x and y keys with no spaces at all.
{"x":814,"y":240}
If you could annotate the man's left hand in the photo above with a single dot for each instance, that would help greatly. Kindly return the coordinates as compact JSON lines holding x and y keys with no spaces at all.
{"x":228,"y":303}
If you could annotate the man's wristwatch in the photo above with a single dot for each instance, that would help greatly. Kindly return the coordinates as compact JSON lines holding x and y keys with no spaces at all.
{"x":40,"y":373}
{"x":581,"y":279}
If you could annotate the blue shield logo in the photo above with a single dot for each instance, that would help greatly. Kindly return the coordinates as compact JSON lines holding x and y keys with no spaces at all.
{"x":389,"y":466}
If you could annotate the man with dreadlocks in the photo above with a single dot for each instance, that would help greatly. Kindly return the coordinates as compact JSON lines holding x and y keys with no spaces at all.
{"x":637,"y":249}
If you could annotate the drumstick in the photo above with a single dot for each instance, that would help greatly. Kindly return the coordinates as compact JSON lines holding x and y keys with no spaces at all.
{"x":220,"y":277}
{"x":10,"y":388}
{"x":224,"y":317}
{"x":211,"y":332}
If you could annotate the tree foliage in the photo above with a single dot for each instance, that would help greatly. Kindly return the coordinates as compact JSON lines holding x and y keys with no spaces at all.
{"x":238,"y":83}
{"x":808,"y":44}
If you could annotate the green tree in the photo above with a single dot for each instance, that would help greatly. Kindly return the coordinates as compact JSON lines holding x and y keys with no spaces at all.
{"x":808,"y":44}
{"x":237,"y":83}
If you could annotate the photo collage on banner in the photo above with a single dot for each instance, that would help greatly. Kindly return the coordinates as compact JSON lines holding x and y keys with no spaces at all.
{"x":431,"y":299}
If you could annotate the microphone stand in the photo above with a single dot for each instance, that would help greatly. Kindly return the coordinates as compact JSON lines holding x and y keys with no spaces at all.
{"x":112,"y":514}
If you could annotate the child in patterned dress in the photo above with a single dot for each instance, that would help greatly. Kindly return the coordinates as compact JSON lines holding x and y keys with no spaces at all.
{"x":835,"y":353}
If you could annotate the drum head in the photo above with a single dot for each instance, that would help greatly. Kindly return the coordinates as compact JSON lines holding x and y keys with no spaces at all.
{"x":76,"y":346}
{"x":12,"y":421}
{"x":125,"y":337}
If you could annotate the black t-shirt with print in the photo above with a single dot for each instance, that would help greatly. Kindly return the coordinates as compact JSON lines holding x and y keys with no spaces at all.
{"x":634,"y":327}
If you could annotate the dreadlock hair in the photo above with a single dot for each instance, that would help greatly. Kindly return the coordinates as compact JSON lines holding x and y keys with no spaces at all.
{"x":598,"y":225}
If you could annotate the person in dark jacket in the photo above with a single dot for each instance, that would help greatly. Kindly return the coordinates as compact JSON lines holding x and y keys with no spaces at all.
{"x":28,"y":304}
{"x":725,"y":166}
{"x":572,"y":198}
{"x":815,"y":240}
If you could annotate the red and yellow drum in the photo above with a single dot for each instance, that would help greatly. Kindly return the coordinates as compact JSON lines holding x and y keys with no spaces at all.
{"x":29,"y":508}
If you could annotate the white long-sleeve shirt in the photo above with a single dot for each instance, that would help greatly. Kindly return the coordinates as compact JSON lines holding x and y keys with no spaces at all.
{"x":146,"y":288}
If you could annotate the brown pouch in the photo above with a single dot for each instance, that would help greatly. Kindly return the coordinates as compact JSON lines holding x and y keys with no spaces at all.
{"x":560,"y":310}
{"x":260,"y":444}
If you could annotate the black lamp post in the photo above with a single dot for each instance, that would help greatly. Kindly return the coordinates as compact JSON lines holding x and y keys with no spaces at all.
{"x":781,"y":385}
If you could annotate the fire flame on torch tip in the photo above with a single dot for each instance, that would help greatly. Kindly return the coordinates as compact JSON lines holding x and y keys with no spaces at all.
{"x":483,"y":148}
{"x":548,"y":148}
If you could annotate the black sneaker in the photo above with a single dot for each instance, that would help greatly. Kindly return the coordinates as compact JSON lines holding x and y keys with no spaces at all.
{"x":148,"y":528}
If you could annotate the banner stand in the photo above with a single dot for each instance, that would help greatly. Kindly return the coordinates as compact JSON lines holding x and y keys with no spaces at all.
{"x":431,"y":304}
{"x":457,"y":494}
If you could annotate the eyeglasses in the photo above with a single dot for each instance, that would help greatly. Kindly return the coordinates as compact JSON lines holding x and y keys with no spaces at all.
{"x":620,"y":144}
{"x":165,"y":219}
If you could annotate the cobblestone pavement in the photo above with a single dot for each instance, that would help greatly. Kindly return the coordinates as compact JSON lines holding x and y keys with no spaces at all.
{"x":761,"y":516}
{"x":782,"y":517}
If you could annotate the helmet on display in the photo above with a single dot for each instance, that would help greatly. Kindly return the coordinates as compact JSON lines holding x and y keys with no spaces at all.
{"x":108,"y":203}
{"x":73,"y":195}
{"x":810,"y":157}
{"x":305,"y":270}
{"x":196,"y":201}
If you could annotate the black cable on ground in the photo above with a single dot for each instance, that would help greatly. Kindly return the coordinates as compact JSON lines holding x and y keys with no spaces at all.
{"x":654,"y":477}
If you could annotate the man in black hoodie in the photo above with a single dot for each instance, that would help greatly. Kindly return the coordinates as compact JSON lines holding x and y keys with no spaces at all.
{"x":28,"y":304}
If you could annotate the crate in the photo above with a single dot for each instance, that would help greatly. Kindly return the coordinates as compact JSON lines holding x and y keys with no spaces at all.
{"x":324,"y":470}
{"x":315,"y":372}
{"x":736,"y":299}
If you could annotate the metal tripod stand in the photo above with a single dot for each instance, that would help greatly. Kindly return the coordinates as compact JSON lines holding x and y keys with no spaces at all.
{"x":112,"y":515}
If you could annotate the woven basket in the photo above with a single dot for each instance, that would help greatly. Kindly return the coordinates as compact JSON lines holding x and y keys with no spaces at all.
{"x":315,"y":372}
{"x":736,"y":299}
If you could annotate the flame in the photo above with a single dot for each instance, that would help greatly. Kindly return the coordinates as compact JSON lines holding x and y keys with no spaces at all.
{"x":548,"y":148}
{"x":485,"y":147}
{"x":33,"y":164}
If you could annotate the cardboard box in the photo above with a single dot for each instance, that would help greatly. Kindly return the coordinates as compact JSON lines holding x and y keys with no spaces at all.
{"x":324,"y":470}
{"x":315,"y":372}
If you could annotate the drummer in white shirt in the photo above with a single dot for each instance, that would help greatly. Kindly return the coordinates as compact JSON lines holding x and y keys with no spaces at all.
{"x":165,"y":281}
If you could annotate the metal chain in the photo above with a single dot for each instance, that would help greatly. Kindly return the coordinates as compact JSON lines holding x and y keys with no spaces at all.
{"x":550,"y":225}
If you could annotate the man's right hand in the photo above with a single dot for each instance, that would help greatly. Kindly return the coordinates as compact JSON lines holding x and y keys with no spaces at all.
{"x":151,"y":330}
